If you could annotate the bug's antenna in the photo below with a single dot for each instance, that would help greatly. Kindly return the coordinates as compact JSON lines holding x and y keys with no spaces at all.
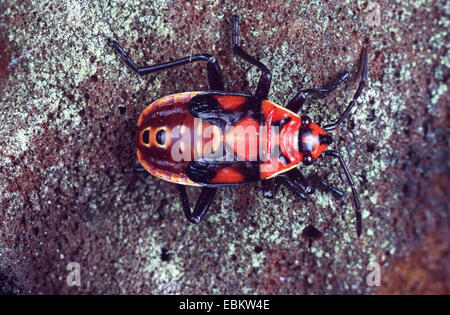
{"x":355,"y":97}
{"x":352,"y":185}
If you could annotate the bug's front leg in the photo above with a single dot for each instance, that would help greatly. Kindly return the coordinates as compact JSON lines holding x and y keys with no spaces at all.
{"x":300,"y":181}
{"x":270,"y":188}
{"x":317,"y":181}
{"x":303,"y":187}
{"x":201,"y":207}
{"x":293,"y":179}
{"x":296,"y":183}
{"x":362,"y":83}
{"x":297,"y":102}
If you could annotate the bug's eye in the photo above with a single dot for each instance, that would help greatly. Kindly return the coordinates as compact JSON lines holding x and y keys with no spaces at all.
{"x":307,"y":159}
{"x":161,"y":137}
{"x":146,"y":137}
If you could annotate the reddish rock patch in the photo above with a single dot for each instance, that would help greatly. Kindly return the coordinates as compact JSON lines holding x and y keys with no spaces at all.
{"x":4,"y":62}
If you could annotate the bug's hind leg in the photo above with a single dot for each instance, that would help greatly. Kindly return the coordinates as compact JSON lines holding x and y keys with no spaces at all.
{"x":201,"y":207}
{"x":297,"y":102}
{"x":264,"y":82}
{"x":212,"y":66}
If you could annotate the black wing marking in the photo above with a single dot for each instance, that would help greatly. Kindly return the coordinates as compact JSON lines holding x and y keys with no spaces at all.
{"x":206,"y":107}
{"x":203,"y":171}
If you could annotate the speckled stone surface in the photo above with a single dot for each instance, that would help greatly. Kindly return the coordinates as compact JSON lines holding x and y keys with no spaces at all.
{"x":70,"y":191}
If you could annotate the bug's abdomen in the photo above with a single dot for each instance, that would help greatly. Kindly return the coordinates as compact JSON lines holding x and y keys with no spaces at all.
{"x":198,"y":138}
{"x":157,"y":134}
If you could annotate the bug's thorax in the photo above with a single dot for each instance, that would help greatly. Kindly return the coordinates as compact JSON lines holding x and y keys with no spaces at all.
{"x":289,"y":140}
{"x":312,"y":140}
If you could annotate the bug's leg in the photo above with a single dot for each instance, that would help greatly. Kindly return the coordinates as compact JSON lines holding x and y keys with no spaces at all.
{"x":270,"y":187}
{"x":352,"y":186}
{"x":300,"y":181}
{"x":212,"y":66}
{"x":294,"y":185}
{"x":362,"y":82}
{"x":297,"y":102}
{"x":201,"y":207}
{"x":264,"y":82}
{"x":317,"y":181}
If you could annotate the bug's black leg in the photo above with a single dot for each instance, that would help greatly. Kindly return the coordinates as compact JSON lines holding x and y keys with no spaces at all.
{"x":297,"y":102}
{"x":202,"y":205}
{"x":317,"y":181}
{"x":270,"y":187}
{"x":294,"y":186}
{"x":355,"y":97}
{"x":352,"y":185}
{"x":300,"y":181}
{"x":264,"y":82}
{"x":212,"y":66}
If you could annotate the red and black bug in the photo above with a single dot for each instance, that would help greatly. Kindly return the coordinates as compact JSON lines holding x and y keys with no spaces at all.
{"x":216,"y":138}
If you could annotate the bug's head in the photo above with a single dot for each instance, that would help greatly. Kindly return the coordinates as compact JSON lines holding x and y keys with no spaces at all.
{"x":312,"y":140}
